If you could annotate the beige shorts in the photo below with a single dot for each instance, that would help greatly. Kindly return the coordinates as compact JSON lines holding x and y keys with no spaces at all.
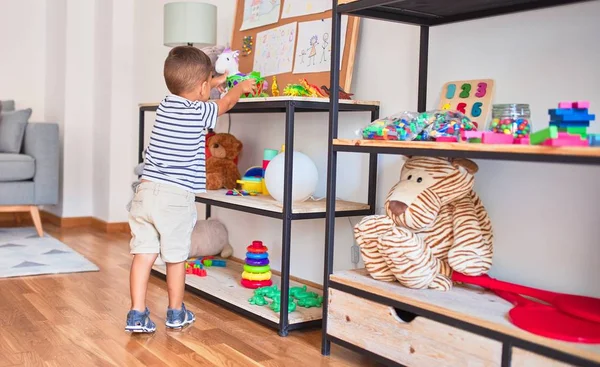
{"x":162,"y":218}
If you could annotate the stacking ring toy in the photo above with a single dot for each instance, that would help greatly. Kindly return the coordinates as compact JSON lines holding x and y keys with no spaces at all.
{"x":257,"y":269}
{"x":256,"y":250}
{"x":253,"y":284}
{"x":252,"y":276}
{"x":258,"y":262}
{"x":264,"y":255}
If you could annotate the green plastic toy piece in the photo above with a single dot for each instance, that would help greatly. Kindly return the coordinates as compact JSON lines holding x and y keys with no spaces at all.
{"x":578,"y":130}
{"x":541,"y":136}
{"x":294,"y":291}
{"x":276,"y":306}
{"x":258,"y":300}
{"x":309,"y":302}
{"x":236,"y":78}
{"x":269,"y":292}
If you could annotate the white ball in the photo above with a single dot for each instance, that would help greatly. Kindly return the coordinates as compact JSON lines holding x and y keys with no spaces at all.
{"x":304,"y":178}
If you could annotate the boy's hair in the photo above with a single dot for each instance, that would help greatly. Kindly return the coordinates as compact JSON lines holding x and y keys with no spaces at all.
{"x":185,"y":67}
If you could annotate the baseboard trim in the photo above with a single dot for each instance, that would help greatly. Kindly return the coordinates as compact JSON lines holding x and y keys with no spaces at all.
{"x":21,"y":219}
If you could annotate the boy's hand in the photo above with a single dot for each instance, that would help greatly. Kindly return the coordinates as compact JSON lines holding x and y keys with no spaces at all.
{"x":218,"y":81}
{"x":248,"y":86}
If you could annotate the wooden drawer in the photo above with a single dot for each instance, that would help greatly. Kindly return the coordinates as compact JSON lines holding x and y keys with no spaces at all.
{"x":421,"y":342}
{"x":525,"y":358}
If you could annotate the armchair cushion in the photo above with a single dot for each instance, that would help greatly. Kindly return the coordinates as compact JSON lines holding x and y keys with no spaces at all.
{"x":12,"y":130}
{"x":16,"y":167}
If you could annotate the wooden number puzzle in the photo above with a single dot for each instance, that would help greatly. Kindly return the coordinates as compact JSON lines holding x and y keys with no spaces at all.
{"x":471,"y":97}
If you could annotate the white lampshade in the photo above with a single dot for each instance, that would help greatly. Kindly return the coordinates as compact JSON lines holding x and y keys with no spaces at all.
{"x":190,"y":23}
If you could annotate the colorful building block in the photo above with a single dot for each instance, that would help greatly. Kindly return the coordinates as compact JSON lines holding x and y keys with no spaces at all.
{"x":521,"y":141}
{"x":565,"y":143}
{"x":490,"y":137}
{"x":594,"y":140}
{"x":541,"y":136}
{"x":219,"y":263}
{"x":447,"y":139}
{"x":576,"y":130}
{"x":581,"y":104}
{"x":573,"y":117}
{"x":565,"y":104}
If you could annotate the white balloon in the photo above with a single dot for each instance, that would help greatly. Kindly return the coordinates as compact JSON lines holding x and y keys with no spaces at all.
{"x":304,"y":178}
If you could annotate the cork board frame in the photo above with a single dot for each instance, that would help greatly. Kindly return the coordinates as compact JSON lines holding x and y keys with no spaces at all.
{"x":318,"y":79}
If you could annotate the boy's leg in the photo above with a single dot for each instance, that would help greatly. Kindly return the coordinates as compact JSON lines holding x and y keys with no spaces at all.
{"x":145,"y":248}
{"x":175,"y":223}
{"x":176,"y":283}
{"x":138,"y":279}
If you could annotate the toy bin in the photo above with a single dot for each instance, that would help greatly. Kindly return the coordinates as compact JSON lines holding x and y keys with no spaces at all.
{"x":512,"y":118}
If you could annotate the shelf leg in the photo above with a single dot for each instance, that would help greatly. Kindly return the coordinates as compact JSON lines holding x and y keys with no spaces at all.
{"x":331,"y":169}
{"x":207,"y":211}
{"x":372,"y":191}
{"x":141,"y":136}
{"x":423,"y":65}
{"x":287,"y":218}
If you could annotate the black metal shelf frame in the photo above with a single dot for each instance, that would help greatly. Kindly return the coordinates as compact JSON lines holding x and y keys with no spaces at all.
{"x":406,"y":11}
{"x":290,"y":108}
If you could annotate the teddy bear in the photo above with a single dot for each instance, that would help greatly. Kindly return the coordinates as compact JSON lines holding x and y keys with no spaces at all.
{"x":435,"y":224}
{"x":221,"y":170}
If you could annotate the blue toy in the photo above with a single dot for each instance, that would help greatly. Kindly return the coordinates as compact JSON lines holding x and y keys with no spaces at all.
{"x":255,"y":256}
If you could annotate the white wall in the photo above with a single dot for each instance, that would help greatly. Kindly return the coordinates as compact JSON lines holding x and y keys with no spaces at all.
{"x":22,"y":75}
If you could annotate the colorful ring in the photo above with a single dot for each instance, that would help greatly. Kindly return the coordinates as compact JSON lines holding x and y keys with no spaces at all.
{"x":252,"y":276}
{"x":256,"y":250}
{"x":257,"y":269}
{"x":253,"y":284}
{"x":250,"y":255}
{"x":257,"y":262}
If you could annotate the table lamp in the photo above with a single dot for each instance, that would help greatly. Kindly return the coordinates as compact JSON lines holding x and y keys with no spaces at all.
{"x":190,"y":23}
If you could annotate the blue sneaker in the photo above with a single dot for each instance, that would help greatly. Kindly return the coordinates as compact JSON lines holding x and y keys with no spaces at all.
{"x":177,"y":319}
{"x":139,"y":322}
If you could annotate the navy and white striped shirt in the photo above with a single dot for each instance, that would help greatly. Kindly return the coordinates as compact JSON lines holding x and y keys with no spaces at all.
{"x":176,"y":152}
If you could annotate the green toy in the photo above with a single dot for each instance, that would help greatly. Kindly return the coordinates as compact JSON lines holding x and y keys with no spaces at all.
{"x":296,"y":90}
{"x":294,"y":291}
{"x":310,"y":302}
{"x":275,"y":306}
{"x":269,"y":292}
{"x":258,"y":300}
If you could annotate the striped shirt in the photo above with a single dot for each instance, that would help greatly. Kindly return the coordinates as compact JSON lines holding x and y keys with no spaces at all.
{"x":176,"y":152}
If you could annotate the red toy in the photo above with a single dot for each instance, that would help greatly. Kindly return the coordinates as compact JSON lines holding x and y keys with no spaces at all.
{"x":547,"y":321}
{"x":257,"y":247}
{"x":253,"y":284}
{"x":585,"y":308}
{"x":490,"y":137}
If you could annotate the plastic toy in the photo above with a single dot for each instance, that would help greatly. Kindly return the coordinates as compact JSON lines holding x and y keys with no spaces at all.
{"x":255,"y":276}
{"x":269,"y":292}
{"x":437,"y":247}
{"x":228,"y":61}
{"x":490,"y":137}
{"x":251,"y":184}
{"x":254,"y":284}
{"x":594,"y":140}
{"x":258,"y":300}
{"x":472,"y":136}
{"x":195,"y":269}
{"x":447,"y":139}
{"x":342,"y":94}
{"x":276,"y":305}
{"x":312,"y":89}
{"x":568,"y":126}
{"x":295,"y":90}
{"x":541,"y":136}
{"x":236,"y":192}
{"x":274,"y":87}
{"x":309,"y":302}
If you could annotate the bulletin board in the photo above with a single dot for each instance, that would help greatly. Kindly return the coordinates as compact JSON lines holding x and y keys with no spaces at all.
{"x":320,"y":78}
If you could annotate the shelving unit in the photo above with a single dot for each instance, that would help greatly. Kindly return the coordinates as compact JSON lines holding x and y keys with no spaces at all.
{"x":431,"y":328}
{"x":222,"y":284}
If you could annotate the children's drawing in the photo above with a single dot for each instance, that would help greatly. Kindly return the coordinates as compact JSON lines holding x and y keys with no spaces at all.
{"x":313,"y":48}
{"x":298,"y":8}
{"x":274,"y":50}
{"x":258,"y":13}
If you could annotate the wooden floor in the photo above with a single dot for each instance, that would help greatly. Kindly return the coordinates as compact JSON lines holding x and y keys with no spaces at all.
{"x":78,"y":320}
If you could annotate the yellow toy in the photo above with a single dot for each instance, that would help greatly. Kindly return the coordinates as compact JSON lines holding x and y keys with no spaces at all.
{"x":275,"y":87}
{"x":256,"y":276}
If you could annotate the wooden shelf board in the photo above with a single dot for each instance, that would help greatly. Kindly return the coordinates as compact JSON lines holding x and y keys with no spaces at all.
{"x":224,"y":283}
{"x":286,"y":98}
{"x":470,"y":304}
{"x":265,"y":202}
{"x":593,"y":152}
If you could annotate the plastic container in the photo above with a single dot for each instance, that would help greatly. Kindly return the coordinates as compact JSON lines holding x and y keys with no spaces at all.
{"x":512,"y":118}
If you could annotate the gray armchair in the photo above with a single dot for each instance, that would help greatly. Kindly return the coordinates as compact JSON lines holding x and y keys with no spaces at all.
{"x":30,"y":177}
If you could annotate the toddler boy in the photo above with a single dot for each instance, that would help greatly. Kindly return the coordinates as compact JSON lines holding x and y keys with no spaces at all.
{"x":163,"y":210}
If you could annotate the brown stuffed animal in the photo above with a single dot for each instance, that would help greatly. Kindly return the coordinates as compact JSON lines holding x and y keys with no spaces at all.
{"x":221,"y":171}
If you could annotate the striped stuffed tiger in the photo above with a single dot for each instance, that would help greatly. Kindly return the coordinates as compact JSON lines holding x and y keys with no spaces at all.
{"x":434,"y":224}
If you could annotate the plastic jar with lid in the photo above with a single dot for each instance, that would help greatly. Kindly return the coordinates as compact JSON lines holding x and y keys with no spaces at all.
{"x":512,"y":118}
